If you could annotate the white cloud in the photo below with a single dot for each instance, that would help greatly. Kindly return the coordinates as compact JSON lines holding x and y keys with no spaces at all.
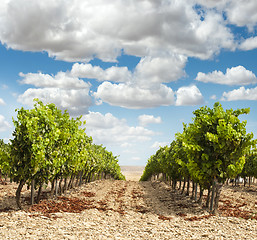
{"x":65,"y":91}
{"x":114,"y":74}
{"x":159,"y":70}
{"x":2,"y":102}
{"x":134,"y":97}
{"x":7,"y":140}
{"x":213,"y":97}
{"x":79,"y":30}
{"x":189,"y":96}
{"x":157,"y":145}
{"x":242,"y":13}
{"x":148,"y":119}
{"x":213,"y":25}
{"x":60,"y":80}
{"x":150,"y":70}
{"x":249,"y":44}
{"x":98,"y":120}
{"x":4,"y":125}
{"x":239,"y":12}
{"x":109,"y":130}
{"x":130,"y":96}
{"x":213,"y":3}
{"x":240,"y":94}
{"x":142,"y":87}
{"x":76,"y":101}
{"x":234,"y":76}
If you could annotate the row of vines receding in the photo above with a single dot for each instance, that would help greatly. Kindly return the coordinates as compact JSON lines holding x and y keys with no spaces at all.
{"x":212,"y":149}
{"x":50,"y":146}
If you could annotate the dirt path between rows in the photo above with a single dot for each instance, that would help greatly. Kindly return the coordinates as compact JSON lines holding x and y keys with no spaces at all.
{"x":110,"y":209}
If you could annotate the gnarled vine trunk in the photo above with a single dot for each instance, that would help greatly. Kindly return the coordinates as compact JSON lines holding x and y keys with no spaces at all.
{"x":218,"y":187}
{"x":39,"y":193}
{"x":207,"y":205}
{"x":18,"y":193}
{"x":32,"y":192}
{"x":184,"y":184}
{"x":188,"y":186}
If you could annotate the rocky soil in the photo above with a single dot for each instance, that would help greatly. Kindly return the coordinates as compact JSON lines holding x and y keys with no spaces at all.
{"x":110,"y":209}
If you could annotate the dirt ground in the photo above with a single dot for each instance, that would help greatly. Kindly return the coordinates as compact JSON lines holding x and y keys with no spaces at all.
{"x":108,"y":209}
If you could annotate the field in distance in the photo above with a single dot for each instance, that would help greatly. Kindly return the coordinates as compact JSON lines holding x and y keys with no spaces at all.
{"x":132,"y":173}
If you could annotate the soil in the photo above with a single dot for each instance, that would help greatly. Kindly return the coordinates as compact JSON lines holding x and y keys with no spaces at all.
{"x":108,"y":209}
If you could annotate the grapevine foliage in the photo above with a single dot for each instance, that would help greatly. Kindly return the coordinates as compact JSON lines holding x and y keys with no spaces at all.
{"x":210,"y":150}
{"x":48,"y":144}
{"x":4,"y":157}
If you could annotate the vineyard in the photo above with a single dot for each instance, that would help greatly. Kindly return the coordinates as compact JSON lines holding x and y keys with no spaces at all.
{"x":49,"y":146}
{"x":212,"y":150}
{"x":82,"y":192}
{"x":117,"y":209}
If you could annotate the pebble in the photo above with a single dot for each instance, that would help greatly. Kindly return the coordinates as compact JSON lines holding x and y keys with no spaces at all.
{"x":93,"y":224}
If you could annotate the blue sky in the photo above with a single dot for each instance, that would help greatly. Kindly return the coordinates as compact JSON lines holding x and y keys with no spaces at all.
{"x":135,"y":70}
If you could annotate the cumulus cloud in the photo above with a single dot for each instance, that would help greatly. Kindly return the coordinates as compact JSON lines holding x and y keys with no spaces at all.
{"x":4,"y":125}
{"x":159,"y":69}
{"x":214,"y":25}
{"x":240,"y":94}
{"x":213,"y":3}
{"x":66,"y":91}
{"x":190,"y":96}
{"x":108,"y":28}
{"x":234,"y":76}
{"x":107,"y":129}
{"x":242,"y":13}
{"x":131,"y":96}
{"x":134,"y":97}
{"x":98,"y":120}
{"x":114,"y":74}
{"x":76,"y":101}
{"x":249,"y":44}
{"x":142,"y":87}
{"x":60,"y":80}
{"x":2,"y":102}
{"x":150,"y":70}
{"x":148,"y":119}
